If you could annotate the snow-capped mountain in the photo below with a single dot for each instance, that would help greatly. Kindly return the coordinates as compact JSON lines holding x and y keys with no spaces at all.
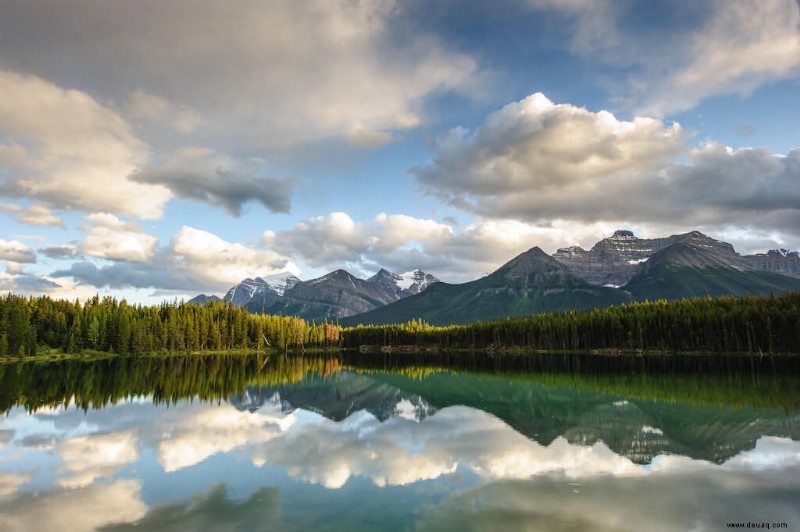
{"x":416,"y":281}
{"x":404,"y":285}
{"x":331,"y":296}
{"x":243,"y":292}
{"x":268,"y":286}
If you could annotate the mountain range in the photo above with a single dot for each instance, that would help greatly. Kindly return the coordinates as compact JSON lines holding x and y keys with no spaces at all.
{"x":618,"y":269}
{"x":330,"y":297}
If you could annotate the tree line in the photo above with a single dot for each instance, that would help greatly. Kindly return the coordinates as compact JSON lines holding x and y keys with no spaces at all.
{"x":753,"y":324}
{"x":30,"y":325}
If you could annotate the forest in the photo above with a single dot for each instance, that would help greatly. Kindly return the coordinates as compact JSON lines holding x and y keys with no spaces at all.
{"x":751,"y":324}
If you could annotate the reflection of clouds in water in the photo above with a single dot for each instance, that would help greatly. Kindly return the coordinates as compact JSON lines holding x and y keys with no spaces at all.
{"x":76,"y":510}
{"x":10,"y":482}
{"x":399,"y":451}
{"x":212,"y":510}
{"x":691,"y":500}
{"x":86,"y":458}
{"x":6,"y":435}
{"x":770,"y":453}
{"x":39,"y":442}
{"x":187,"y":436}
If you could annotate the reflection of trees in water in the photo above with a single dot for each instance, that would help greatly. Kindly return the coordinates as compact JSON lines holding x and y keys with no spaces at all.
{"x":765,"y":383}
{"x":167,"y":379}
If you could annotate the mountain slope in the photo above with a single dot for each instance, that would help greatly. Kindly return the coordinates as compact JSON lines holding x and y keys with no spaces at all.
{"x":531,"y":282}
{"x":696,"y":265}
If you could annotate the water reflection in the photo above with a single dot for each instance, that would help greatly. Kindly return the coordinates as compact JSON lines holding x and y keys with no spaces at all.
{"x":363,"y":448}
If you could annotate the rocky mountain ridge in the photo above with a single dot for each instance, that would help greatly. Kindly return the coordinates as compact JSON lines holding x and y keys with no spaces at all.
{"x":334,"y":295}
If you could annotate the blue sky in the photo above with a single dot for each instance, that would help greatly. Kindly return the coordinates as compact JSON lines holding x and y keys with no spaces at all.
{"x":160,"y":149}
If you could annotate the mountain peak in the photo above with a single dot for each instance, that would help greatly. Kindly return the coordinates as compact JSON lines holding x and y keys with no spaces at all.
{"x":624,"y":234}
{"x":533,"y":261}
{"x":241,"y":293}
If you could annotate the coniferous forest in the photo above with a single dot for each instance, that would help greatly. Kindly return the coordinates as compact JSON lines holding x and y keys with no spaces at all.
{"x":30,"y":326}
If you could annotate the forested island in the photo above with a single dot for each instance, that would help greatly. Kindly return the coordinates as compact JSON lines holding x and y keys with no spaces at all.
{"x":43,"y":326}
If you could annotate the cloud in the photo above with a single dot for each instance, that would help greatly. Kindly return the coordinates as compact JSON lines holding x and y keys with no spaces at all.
{"x":593,"y":24}
{"x":16,"y":251}
{"x":214,"y":509}
{"x":194,"y":260}
{"x":78,"y":152}
{"x":111,"y":238}
{"x":19,"y":282}
{"x":36,"y":215}
{"x":204,"y":175}
{"x":718,"y":495}
{"x":204,"y":259}
{"x":402,"y":243}
{"x":64,"y":251}
{"x":81,"y":510}
{"x":120,"y":275}
{"x":198,"y":432}
{"x":533,"y":149}
{"x":86,"y":458}
{"x":741,"y":47}
{"x":155,"y":109}
{"x":11,"y":481}
{"x":268,"y":74}
{"x":536,"y":161}
{"x":400,"y":451}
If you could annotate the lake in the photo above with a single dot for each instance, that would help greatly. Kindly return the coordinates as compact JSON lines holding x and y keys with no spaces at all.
{"x":406,"y":442}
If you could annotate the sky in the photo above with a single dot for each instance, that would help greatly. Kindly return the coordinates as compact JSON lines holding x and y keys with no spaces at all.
{"x":160,"y":149}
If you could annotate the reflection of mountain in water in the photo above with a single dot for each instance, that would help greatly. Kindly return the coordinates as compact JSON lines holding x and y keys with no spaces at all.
{"x":636,"y":429}
{"x":337,"y":398}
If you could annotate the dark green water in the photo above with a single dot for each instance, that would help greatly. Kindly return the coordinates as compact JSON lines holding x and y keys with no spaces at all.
{"x":430,"y":442}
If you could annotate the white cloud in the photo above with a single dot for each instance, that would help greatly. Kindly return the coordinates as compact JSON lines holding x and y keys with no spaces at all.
{"x":536,"y":161}
{"x":111,"y":238}
{"x":36,"y":215}
{"x":399,"y":451}
{"x":197,"y":432}
{"x":79,"y":153}
{"x":207,"y":260}
{"x":402,"y":243}
{"x":16,"y":251}
{"x":533,"y":148}
{"x":86,"y":458}
{"x":743,"y":46}
{"x":11,"y":481}
{"x":79,"y":510}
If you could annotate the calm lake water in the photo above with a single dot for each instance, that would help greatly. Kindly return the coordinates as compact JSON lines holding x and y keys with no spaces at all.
{"x":355,"y":442}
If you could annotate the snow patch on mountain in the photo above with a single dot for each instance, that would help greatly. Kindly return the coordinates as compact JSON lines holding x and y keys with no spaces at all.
{"x":281,"y":282}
